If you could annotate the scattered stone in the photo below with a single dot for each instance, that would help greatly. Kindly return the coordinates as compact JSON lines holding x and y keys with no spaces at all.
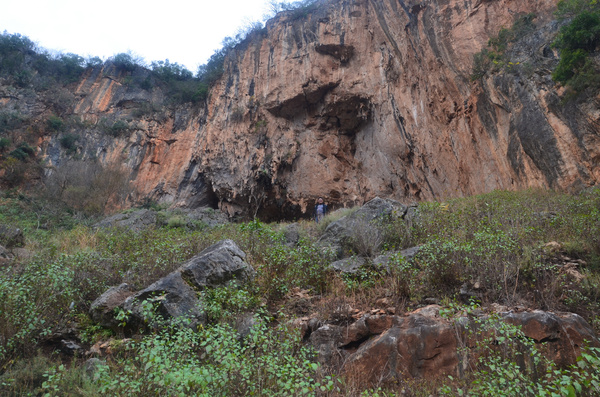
{"x":291,"y":234}
{"x":91,"y":367}
{"x":497,"y":308}
{"x":553,"y":246}
{"x":431,"y":301}
{"x":69,"y":347}
{"x":571,"y":270}
{"x":22,"y":253}
{"x":381,"y":302}
{"x":422,"y":344}
{"x":349,"y":265}
{"x":244,"y":325}
{"x":201,"y":216}
{"x":410,"y":253}
{"x":431,"y":311}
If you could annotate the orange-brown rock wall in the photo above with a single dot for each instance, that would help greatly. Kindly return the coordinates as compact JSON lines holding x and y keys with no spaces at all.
{"x":357,"y":99}
{"x":373,"y":97}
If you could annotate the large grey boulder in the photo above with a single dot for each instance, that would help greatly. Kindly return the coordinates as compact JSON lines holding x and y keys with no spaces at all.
{"x":349,"y":265}
{"x":175,"y":296}
{"x":202,"y":217}
{"x":361,"y":223}
{"x":136,"y":221}
{"x":383,"y":261}
{"x":141,"y":219}
{"x":11,"y":237}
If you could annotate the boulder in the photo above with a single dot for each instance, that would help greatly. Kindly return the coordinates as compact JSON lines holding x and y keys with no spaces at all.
{"x":175,"y":295}
{"x":11,"y":237}
{"x":5,"y":256}
{"x":338,"y":233}
{"x":291,"y":234}
{"x":136,"y":220}
{"x":203,"y":216}
{"x":92,"y":367}
{"x":422,"y":344}
{"x":102,"y":309}
{"x":141,"y":219}
{"x":348,"y":265}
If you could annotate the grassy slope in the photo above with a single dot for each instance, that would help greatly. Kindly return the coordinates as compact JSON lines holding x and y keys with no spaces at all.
{"x":494,"y":244}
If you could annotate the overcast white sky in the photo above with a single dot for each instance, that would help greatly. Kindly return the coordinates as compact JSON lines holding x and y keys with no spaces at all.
{"x":184,"y":31}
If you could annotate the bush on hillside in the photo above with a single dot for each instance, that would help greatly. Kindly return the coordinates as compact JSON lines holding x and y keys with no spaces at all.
{"x":576,"y":41}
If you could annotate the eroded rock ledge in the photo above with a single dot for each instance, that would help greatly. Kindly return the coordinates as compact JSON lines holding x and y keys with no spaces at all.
{"x":425,"y":345}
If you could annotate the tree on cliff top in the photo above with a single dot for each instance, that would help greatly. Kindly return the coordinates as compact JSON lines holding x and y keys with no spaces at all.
{"x":577,"y":41}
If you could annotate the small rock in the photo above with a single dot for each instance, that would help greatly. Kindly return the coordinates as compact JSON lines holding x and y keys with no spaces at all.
{"x":314,"y":324}
{"x":245,"y":324}
{"x":381,"y":302}
{"x":91,"y":367}
{"x":22,"y":253}
{"x":291,"y":234}
{"x":69,"y":347}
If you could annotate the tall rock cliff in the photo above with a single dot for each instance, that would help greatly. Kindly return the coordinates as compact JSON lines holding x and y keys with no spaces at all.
{"x":356,"y":99}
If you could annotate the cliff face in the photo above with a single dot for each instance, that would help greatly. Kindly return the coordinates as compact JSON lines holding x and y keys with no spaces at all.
{"x":360,"y":98}
{"x":373,"y":97}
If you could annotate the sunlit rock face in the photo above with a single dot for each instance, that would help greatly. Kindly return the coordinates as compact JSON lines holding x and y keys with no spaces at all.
{"x":374,"y":98}
{"x":358,"y":99}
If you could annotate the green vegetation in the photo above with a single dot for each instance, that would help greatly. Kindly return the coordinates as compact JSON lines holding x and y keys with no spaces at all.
{"x":577,"y":41}
{"x":55,"y":123}
{"x":494,"y":58}
{"x":510,"y":364}
{"x":498,"y":240}
{"x":297,"y":9}
{"x":68,"y":142}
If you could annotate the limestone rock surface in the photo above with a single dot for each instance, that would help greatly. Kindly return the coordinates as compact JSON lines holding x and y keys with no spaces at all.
{"x":422,"y":344}
{"x":356,"y":100}
{"x":175,"y":296}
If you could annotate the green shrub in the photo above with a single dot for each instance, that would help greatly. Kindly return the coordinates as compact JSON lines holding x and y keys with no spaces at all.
{"x":510,"y":364}
{"x":55,"y":123}
{"x":22,"y":152}
{"x":176,"y":221}
{"x":210,"y":362}
{"x":576,"y":41}
{"x":33,"y":304}
{"x":494,"y":59}
{"x":228,"y":301}
{"x":118,"y":128}
{"x":11,"y":120}
{"x":68,"y":142}
{"x":4,"y":144}
{"x":126,"y":62}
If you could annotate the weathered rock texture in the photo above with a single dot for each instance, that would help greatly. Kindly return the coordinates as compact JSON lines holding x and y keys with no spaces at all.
{"x":360,"y":98}
{"x":423,"y":345}
{"x":175,"y":295}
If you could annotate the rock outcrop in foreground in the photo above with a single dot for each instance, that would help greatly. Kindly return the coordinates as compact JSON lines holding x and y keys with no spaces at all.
{"x":357,"y":99}
{"x":422,"y":344}
{"x":174,"y":296}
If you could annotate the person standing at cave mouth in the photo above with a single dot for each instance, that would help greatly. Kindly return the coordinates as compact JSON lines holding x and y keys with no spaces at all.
{"x":320,"y":210}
